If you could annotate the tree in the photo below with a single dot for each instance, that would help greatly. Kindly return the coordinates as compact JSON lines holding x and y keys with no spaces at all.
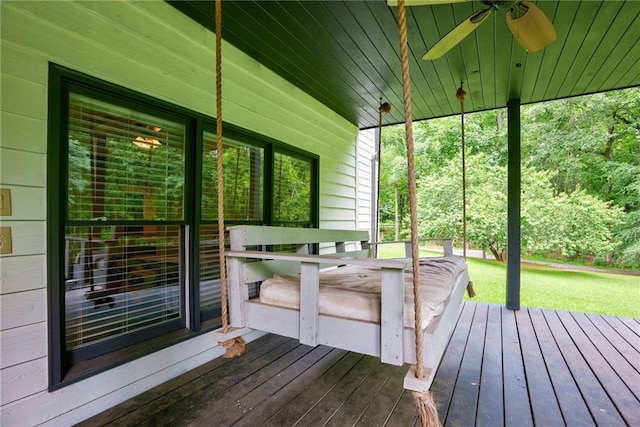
{"x":593,"y":144}
{"x":580,"y":155}
{"x":573,"y":224}
{"x":393,"y":178}
{"x":587,"y":140}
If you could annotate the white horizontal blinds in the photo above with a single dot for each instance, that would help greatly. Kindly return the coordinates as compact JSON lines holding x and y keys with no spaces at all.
{"x":124,"y":221}
{"x":210,"y":267}
{"x":123,"y":164}
{"x":292,"y":191}
{"x":243,"y":180}
{"x":120,"y":279}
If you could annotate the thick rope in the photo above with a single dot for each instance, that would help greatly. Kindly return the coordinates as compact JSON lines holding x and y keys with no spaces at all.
{"x":460,"y":94}
{"x":413,"y":210}
{"x":426,"y":406}
{"x":235,"y":346}
{"x":221,"y":242}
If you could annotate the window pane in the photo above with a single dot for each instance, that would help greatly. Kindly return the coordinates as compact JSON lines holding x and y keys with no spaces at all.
{"x":209,"y":268}
{"x":292,"y":190}
{"x":243,"y":180}
{"x":123,"y":164}
{"x":119,"y":281}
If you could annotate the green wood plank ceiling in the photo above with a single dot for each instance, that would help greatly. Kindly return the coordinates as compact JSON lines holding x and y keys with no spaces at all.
{"x":346,"y":53}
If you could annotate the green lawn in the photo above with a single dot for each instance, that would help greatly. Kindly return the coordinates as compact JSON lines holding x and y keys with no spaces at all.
{"x":549,"y":287}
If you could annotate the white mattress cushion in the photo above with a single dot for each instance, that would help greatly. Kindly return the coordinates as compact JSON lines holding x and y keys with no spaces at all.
{"x":354,"y":292}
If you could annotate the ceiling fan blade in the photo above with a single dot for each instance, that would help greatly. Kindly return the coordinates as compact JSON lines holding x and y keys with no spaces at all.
{"x":456,"y":35}
{"x":530,"y":26}
{"x":423,"y":2}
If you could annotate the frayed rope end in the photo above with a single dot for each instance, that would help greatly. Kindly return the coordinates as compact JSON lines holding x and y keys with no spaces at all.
{"x":234,"y":347}
{"x":426,"y":409}
{"x":470,"y":290}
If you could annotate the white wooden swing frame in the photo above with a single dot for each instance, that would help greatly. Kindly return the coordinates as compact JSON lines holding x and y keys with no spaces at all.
{"x":389,"y":340}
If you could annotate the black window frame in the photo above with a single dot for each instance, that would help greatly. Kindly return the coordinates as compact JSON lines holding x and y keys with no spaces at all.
{"x":67,"y":367}
{"x":314,"y":172}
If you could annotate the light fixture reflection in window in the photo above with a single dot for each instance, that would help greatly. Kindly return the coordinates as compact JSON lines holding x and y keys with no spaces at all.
{"x":147,"y":142}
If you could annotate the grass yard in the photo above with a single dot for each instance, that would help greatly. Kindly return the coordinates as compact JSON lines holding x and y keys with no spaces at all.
{"x":550,"y":287}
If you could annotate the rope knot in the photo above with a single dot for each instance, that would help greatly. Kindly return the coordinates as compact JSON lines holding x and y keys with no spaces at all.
{"x":426,"y":408}
{"x":470,"y":290}
{"x":234,"y":347}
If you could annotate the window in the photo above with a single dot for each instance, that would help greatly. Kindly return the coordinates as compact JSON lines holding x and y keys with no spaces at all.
{"x":123,"y":223}
{"x":243,"y":175}
{"x":132,"y":243}
{"x":292,"y":182}
{"x":243,"y":169}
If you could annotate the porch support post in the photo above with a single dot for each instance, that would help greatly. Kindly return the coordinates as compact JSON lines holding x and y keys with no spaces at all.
{"x":513,"y":205}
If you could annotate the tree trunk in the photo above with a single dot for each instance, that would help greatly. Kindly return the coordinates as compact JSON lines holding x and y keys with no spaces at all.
{"x":609,"y":149}
{"x":499,"y":121}
{"x":493,"y":247}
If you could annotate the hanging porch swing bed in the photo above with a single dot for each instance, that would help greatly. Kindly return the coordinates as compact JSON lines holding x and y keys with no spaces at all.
{"x":342,"y":298}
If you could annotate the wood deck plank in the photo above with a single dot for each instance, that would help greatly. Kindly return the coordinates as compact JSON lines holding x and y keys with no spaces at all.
{"x":629,"y":334}
{"x":219,"y":388}
{"x":624,"y":369}
{"x":307,"y":398}
{"x":574,"y":410}
{"x":623,"y":399}
{"x":544,"y":403}
{"x":404,"y":413}
{"x":630,"y":354}
{"x":355,"y":406}
{"x":600,"y":405}
{"x":498,"y":362}
{"x":445,"y":379}
{"x":229,"y":411}
{"x":249,"y":401}
{"x":377,"y":414}
{"x":129,"y":412}
{"x":491,"y":395}
{"x":516,"y":399}
{"x":464,"y":400}
{"x":260,"y":414}
{"x":331,"y":403}
{"x":633,"y":324}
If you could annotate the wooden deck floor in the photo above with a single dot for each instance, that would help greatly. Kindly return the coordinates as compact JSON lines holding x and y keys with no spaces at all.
{"x":530,"y":367}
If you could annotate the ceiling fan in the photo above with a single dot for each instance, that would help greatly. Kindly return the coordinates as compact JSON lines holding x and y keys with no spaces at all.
{"x":528,"y":24}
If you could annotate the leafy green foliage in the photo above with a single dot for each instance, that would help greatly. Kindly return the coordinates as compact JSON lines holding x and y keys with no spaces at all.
{"x":242,"y":180}
{"x":580,"y":177}
{"x":572,"y":224}
{"x":292,"y":187}
{"x":137,"y":182}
